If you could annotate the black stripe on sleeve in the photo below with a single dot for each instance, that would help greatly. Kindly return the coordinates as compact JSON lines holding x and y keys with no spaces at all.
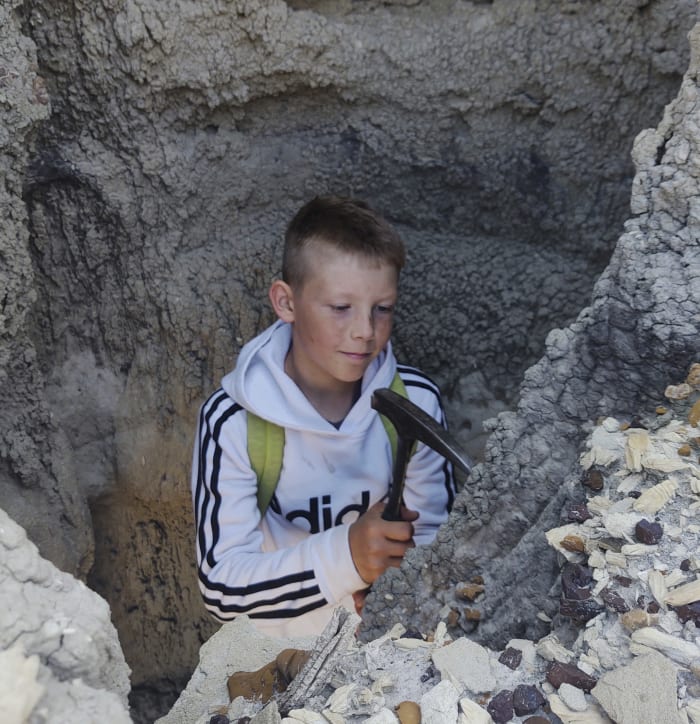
{"x":290,"y":596}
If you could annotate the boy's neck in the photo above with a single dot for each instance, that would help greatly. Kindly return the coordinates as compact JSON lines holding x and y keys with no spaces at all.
{"x":332,"y":403}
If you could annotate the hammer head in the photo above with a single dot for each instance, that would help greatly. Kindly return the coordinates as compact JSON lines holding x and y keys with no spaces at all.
{"x":413,"y":423}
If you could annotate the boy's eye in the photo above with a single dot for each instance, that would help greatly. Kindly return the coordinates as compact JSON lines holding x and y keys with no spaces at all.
{"x":340,"y":307}
{"x":384,"y":308}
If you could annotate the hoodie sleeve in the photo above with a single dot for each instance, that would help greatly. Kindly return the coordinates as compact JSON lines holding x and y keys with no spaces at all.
{"x":430,"y":486}
{"x":236,"y":574}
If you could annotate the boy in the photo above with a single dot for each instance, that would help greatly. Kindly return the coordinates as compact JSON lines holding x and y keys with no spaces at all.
{"x":322,"y":538}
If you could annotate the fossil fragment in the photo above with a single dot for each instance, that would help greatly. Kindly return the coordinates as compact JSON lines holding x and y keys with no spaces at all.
{"x":472,"y":713}
{"x":613,"y":558}
{"x":689,"y":593}
{"x":550,"y":649}
{"x":694,"y":414}
{"x":556,"y":536}
{"x":593,"y":715}
{"x":693,"y":378}
{"x":679,"y":650}
{"x":657,"y":585}
{"x":638,"y":445}
{"x":653,"y":499}
{"x":636,"y":619}
{"x":678,"y":392}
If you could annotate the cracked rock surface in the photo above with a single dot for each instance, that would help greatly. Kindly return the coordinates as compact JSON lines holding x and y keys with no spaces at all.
{"x":640,"y":331}
{"x":59,"y":652}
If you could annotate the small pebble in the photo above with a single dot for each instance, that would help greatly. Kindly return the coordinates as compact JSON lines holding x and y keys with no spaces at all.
{"x":689,"y":612}
{"x":593,"y":479}
{"x":684,"y":450}
{"x":536,"y":720}
{"x":501,"y":707}
{"x":559,"y":673}
{"x":408,"y":712}
{"x":219,"y":719}
{"x":685,"y":564}
{"x":511,"y":658}
{"x":469,"y":591}
{"x":579,"y":513}
{"x":574,"y":698}
{"x":527,"y":699}
{"x":614,"y":600}
{"x":648,"y":533}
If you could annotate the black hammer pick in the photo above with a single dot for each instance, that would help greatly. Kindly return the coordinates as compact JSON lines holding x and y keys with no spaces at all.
{"x":412,"y":424}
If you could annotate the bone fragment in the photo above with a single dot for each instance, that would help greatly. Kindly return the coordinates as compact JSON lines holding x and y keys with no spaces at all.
{"x":679,"y":650}
{"x":654,"y":498}
{"x":687,"y":593}
{"x":472,"y":713}
{"x":637,"y":446}
{"x":657,"y":585}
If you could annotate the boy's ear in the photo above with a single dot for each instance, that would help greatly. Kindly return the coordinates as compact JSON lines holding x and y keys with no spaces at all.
{"x":282,"y":299}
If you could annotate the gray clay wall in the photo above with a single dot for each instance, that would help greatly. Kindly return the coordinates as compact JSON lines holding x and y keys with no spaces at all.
{"x":152,"y":153}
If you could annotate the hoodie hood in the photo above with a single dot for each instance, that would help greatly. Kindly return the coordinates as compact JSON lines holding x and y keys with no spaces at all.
{"x":260,"y":385}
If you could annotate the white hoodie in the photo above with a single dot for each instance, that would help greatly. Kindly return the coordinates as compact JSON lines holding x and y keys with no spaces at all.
{"x":289,"y":570}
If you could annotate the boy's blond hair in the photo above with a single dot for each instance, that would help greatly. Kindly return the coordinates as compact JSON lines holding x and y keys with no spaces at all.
{"x":345,"y":223}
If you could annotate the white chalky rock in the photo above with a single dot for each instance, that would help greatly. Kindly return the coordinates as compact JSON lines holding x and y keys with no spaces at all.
{"x":592,"y":715}
{"x":692,"y":711}
{"x":472,"y":713}
{"x":304,"y":716}
{"x":383,"y":716}
{"x":528,"y":650}
{"x":605,"y":448}
{"x":642,"y":691}
{"x":466,"y":664}
{"x":573,"y":697}
{"x":683,"y":652}
{"x":439,"y":705}
{"x":19,"y":689}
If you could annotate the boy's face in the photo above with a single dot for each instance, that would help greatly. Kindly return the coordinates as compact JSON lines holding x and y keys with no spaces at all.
{"x":342,"y":316}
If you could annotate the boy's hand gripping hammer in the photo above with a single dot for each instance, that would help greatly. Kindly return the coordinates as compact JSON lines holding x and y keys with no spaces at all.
{"x":412,"y":423}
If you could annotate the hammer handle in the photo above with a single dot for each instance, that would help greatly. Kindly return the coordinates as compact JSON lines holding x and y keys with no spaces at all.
{"x":392,"y":510}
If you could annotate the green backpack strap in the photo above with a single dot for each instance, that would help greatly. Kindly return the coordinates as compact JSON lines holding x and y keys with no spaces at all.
{"x":266,"y":448}
{"x":399,"y":388}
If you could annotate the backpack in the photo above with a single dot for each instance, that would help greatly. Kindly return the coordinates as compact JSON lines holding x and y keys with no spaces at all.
{"x":266,"y":447}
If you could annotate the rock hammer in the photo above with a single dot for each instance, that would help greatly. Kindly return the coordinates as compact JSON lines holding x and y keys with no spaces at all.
{"x":413,"y":424}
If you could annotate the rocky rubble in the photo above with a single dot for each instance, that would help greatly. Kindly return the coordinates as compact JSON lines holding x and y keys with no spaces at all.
{"x":624,"y":647}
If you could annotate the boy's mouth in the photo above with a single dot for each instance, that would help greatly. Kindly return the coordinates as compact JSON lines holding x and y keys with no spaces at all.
{"x":357,"y":356}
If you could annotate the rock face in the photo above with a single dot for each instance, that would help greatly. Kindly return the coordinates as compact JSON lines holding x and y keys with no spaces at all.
{"x":640,"y":332}
{"x":151,"y":164}
{"x":56,"y":641}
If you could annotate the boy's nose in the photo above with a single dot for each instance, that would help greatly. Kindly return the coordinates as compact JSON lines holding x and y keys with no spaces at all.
{"x":363,"y":326}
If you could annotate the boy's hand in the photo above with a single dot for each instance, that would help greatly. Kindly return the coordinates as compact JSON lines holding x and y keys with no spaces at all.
{"x":377,"y":544}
